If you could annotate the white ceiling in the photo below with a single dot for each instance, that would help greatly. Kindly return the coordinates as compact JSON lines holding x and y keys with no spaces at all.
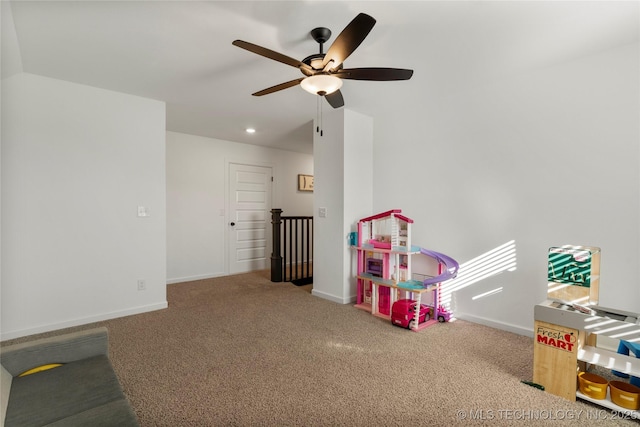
{"x":180,"y":52}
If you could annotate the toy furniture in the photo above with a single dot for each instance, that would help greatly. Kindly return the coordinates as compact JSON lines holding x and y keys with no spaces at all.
{"x":73,"y":383}
{"x":374,"y":267}
{"x":565,"y":331}
{"x":384,"y":268}
{"x":565,"y":344}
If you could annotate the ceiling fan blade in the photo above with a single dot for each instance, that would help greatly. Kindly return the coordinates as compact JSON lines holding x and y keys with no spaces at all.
{"x":281,"y":86}
{"x":348,"y":40}
{"x":271,"y":54}
{"x":378,"y":74}
{"x":335,"y":99}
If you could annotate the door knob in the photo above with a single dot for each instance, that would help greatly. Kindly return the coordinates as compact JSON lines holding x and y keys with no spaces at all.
{"x":232,"y":224}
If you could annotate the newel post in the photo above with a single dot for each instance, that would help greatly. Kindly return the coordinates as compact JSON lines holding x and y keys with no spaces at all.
{"x":276,"y":257}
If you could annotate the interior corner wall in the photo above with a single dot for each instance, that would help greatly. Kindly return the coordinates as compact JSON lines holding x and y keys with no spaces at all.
{"x":343,"y":185}
{"x":543,"y":158}
{"x":77,"y":162}
{"x":197,"y":225}
{"x":358,"y":187}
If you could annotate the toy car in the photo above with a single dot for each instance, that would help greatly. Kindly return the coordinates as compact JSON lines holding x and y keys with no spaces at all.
{"x":403,"y":313}
{"x":442,"y":314}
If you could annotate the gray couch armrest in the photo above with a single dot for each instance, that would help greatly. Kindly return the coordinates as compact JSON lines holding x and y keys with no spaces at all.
{"x":19,"y":358}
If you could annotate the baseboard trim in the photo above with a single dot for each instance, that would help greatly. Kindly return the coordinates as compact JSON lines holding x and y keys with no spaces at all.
{"x":330,"y":297}
{"x":607,"y":343}
{"x":193,"y":278}
{"x":496,"y":325}
{"x":82,"y":321}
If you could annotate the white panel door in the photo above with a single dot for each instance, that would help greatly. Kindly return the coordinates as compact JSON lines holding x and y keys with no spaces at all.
{"x":250,"y":217}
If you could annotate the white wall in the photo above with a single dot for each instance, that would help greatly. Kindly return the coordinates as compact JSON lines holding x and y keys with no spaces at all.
{"x":358,"y":189}
{"x":545,"y":158}
{"x":77,"y":161}
{"x":10,"y":60}
{"x":343,"y":186}
{"x":329,"y":184}
{"x":196,"y":184}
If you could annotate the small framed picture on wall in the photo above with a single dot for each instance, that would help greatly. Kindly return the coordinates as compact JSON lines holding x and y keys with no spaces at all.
{"x":305,"y":182}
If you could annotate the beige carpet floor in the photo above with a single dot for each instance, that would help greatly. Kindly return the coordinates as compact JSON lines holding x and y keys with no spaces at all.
{"x":243,"y":351}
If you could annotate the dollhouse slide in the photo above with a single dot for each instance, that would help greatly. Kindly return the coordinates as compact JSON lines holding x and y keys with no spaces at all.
{"x":450,"y":267}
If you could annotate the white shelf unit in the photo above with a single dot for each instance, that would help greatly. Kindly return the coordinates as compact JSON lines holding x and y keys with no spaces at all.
{"x":610,"y":360}
{"x":607,"y":403}
{"x":615,"y":327}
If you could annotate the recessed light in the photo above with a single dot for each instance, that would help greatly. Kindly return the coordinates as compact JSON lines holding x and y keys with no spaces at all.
{"x":251,"y":130}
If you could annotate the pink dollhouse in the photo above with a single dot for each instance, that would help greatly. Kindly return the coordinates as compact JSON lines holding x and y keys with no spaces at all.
{"x":384,"y":267}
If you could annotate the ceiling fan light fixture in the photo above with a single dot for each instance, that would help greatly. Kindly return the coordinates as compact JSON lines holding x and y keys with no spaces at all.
{"x":321,"y":84}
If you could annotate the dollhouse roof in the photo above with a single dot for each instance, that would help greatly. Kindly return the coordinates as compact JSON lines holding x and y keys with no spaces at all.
{"x":395,"y":212}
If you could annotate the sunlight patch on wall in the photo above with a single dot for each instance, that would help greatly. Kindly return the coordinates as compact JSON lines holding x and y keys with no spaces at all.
{"x":491,"y":263}
{"x":488,"y":293}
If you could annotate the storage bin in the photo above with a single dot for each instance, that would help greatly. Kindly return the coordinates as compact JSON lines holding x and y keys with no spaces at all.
{"x":593,"y":385}
{"x":625,"y":395}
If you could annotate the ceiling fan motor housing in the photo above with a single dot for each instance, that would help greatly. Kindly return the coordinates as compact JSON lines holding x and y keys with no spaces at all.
{"x":320,"y":35}
{"x":311,"y":60}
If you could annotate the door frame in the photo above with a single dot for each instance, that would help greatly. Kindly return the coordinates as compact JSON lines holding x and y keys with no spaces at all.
{"x":227,"y":234}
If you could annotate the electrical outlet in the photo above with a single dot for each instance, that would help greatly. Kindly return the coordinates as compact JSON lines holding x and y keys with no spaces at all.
{"x":142,"y":285}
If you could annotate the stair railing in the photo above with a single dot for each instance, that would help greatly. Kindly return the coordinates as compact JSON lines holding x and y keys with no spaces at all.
{"x":292,"y":252}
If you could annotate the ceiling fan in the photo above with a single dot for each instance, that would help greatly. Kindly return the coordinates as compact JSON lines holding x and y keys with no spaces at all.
{"x":324,"y":71}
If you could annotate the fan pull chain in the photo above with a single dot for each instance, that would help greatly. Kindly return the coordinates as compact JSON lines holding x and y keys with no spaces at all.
{"x":321,"y":118}
{"x":319,"y":115}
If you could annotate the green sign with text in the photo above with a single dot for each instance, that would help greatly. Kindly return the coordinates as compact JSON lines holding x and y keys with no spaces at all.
{"x":570,"y":265}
